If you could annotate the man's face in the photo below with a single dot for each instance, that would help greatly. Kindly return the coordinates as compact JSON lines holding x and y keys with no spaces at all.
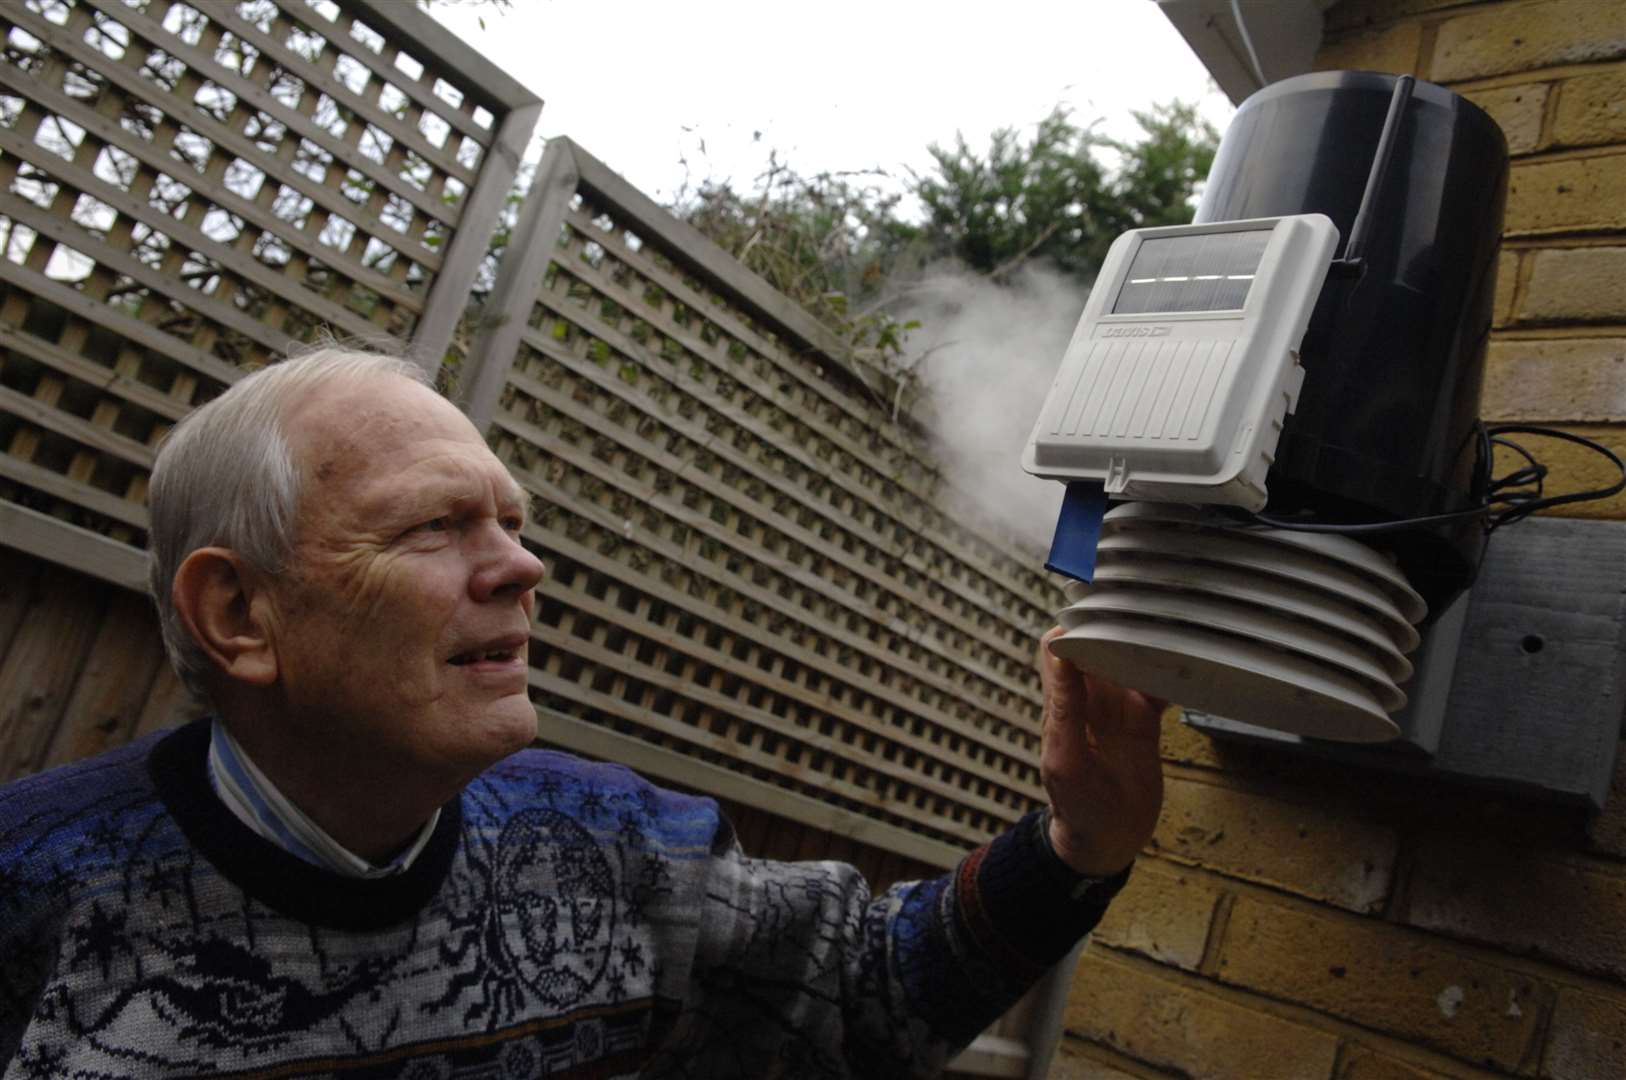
{"x":402,"y":626}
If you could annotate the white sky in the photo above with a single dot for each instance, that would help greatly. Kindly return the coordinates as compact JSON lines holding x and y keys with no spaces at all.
{"x":837,"y":85}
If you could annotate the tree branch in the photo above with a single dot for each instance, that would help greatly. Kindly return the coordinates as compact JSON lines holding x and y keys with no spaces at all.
{"x":1001,"y":272}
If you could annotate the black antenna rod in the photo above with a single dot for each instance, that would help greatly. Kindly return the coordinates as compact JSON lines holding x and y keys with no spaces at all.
{"x":1380,"y":169}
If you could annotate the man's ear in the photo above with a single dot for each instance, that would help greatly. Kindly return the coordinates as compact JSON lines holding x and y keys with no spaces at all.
{"x":217,"y":595}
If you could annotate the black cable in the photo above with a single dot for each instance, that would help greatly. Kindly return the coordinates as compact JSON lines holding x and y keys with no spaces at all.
{"x":1534,"y":474}
{"x":1388,"y":526}
{"x":1501,"y":506}
{"x":1367,"y":526}
{"x":1525,"y":509}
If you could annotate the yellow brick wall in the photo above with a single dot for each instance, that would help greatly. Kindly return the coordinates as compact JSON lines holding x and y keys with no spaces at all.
{"x":1298,"y":920}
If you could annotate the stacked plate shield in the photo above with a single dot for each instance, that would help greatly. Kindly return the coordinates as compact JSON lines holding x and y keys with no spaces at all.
{"x":1297,"y":631}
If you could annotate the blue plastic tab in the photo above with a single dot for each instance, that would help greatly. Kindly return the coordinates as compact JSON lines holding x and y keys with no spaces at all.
{"x":1078,"y":530}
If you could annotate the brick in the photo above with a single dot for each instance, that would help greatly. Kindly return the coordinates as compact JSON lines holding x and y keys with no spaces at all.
{"x":1591,"y":110}
{"x":1521,"y":899}
{"x":1394,"y":49}
{"x":1376,"y":975}
{"x":1507,"y":282}
{"x":1354,"y":14}
{"x":1163,"y":913}
{"x":1587,"y":1038}
{"x":1575,"y":285}
{"x":1517,"y":110}
{"x":1363,"y":1064}
{"x":1070,"y":1063}
{"x":1570,"y":379}
{"x":1174,"y":1025}
{"x":1528,"y":36}
{"x":1574,"y":195}
{"x":1323,"y":854}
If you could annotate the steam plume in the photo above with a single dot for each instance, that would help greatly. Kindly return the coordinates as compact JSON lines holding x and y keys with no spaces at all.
{"x":986,"y":356}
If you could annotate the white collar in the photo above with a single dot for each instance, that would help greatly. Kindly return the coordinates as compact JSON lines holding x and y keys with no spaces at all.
{"x":250,"y":795}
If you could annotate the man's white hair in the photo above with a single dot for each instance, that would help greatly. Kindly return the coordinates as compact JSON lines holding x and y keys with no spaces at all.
{"x":225,"y":476}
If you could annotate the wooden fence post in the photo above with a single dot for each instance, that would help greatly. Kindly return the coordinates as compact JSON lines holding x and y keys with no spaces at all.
{"x":530,"y":249}
{"x":449,"y":296}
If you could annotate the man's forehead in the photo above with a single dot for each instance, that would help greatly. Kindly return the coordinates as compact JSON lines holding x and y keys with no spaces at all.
{"x":365,"y":432}
{"x":369,"y":409}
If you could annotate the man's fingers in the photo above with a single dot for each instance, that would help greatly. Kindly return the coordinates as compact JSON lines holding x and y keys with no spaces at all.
{"x":1049,"y":661}
{"x":1112,"y":708}
{"x":1100,"y":764}
{"x":1061,"y":679}
{"x":1144,"y":715}
{"x":1117,"y":710}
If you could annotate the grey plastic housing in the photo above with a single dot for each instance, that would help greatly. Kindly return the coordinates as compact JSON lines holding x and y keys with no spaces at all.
{"x":1185,"y":406}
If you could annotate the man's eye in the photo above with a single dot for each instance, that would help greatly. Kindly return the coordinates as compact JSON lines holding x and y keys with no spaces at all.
{"x":513,"y":523}
{"x":440,"y":524}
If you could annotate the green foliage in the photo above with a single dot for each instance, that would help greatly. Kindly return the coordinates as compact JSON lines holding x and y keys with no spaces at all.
{"x":1055,"y":198}
{"x":842,"y":247}
{"x":828,"y":241}
{"x":994,"y":211}
{"x":845,"y":246}
{"x":1158,"y":180}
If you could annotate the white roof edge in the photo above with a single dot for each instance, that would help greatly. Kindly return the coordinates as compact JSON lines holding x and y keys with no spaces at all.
{"x":1285,"y":35}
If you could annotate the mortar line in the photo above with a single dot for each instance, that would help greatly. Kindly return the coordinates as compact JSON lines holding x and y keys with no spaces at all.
{"x":1340,"y":1058}
{"x":1102,"y":1054}
{"x":1423,"y":63}
{"x":1218,"y":923}
{"x":1611,"y":331}
{"x":1569,"y":153}
{"x":1532,"y":77}
{"x":1538,"y":242}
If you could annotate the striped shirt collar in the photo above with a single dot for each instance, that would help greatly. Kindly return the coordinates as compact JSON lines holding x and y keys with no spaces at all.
{"x":251,"y":796}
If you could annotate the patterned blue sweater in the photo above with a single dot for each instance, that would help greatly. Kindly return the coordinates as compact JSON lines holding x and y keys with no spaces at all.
{"x":566,"y":919}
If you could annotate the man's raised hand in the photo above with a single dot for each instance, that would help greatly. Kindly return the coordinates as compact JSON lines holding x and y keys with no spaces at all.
{"x":1100,"y":765}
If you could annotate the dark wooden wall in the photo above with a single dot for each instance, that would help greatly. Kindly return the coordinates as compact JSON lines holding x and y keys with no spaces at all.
{"x":82,"y":669}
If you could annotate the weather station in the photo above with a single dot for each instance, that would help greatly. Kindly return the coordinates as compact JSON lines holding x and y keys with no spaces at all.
{"x":1280,"y":495}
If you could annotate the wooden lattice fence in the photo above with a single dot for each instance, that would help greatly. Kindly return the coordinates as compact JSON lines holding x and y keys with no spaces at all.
{"x":754,"y":590}
{"x":750,"y":567}
{"x":188,"y":190}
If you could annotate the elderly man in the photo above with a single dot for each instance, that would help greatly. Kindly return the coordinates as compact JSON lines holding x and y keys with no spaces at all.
{"x":357,"y":868}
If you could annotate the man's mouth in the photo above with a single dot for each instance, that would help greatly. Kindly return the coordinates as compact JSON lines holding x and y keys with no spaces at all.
{"x":499,"y":652}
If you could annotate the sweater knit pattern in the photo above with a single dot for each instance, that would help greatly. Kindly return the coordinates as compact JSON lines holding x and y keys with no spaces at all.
{"x":566,"y":919}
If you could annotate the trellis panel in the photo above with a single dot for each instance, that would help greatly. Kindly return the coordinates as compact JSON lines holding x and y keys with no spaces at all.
{"x":188,"y":190}
{"x":749,"y":567}
{"x":754,"y":591}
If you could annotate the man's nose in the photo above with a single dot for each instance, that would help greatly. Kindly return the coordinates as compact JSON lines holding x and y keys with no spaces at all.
{"x":507,"y":568}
